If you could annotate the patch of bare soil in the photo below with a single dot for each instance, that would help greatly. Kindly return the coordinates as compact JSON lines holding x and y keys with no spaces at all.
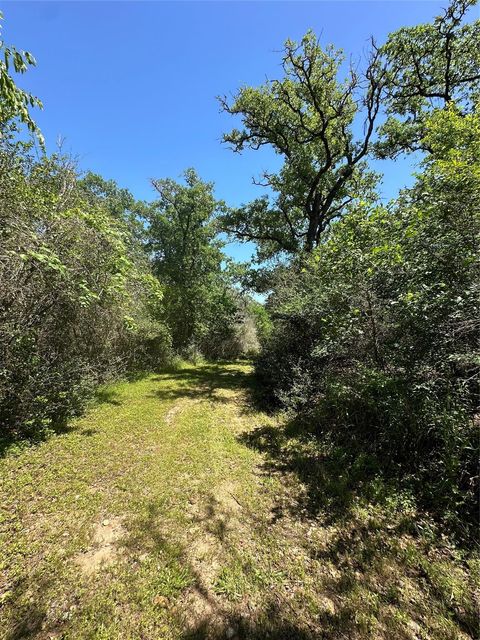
{"x":214,"y":519}
{"x":225,"y":496}
{"x":104,"y":550}
{"x":171,"y":413}
{"x":177,"y":408}
{"x":200,"y":605}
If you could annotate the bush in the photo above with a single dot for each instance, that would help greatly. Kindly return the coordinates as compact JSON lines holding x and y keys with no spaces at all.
{"x":376,"y":335}
{"x":77,"y":302}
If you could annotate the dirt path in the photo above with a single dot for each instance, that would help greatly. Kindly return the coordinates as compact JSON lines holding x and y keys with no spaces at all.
{"x":175,"y":510}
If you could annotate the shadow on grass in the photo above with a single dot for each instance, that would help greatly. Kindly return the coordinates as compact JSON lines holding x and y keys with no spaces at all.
{"x":106,"y":395}
{"x":19,"y":439}
{"x":30,"y":618}
{"x":332,"y":477}
{"x":210,"y":617}
{"x":270,"y":626}
{"x":29,"y":626}
{"x":377,"y":539}
{"x":202,"y":382}
{"x":206,"y":382}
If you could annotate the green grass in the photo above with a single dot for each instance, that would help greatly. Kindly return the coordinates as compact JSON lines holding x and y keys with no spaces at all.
{"x":174,"y":509}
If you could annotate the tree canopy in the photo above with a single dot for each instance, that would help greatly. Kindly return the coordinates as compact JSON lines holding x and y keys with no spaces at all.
{"x":308,"y":118}
{"x":430,"y":66}
{"x":325,"y":123}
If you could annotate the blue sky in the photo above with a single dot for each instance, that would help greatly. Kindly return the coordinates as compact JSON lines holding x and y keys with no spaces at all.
{"x":131,"y":86}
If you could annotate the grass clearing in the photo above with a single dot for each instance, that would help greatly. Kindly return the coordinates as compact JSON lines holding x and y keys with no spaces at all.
{"x":174,"y":510}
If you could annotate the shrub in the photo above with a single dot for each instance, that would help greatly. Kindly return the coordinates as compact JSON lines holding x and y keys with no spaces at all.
{"x":77,"y":302}
{"x":376,"y":335}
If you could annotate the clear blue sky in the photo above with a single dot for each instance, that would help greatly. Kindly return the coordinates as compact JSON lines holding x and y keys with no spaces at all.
{"x":132,"y":86}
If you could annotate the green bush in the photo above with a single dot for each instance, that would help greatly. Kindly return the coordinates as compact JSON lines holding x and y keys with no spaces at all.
{"x":376,"y":335}
{"x":78,"y":305}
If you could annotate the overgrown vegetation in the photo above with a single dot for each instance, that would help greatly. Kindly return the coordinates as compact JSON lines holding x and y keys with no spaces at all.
{"x":78,"y":304}
{"x":376,"y":333}
{"x":350,"y":509}
{"x":96,"y":285}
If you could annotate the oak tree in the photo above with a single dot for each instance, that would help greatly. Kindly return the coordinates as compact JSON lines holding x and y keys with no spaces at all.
{"x":310,"y":118}
{"x":430,"y":66}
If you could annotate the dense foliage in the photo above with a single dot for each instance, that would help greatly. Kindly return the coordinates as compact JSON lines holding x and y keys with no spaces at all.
{"x":376,"y":333}
{"x":428,"y":67}
{"x":77,"y":303}
{"x":376,"y":338}
{"x":205,"y":313}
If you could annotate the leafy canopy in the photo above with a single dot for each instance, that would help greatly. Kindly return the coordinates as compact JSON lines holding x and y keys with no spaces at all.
{"x":15,"y":102}
{"x":307,"y":117}
{"x":185,"y":250}
{"x":429,"y":66}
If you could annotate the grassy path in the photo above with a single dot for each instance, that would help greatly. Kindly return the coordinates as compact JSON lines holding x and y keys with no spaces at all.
{"x":174,"y":510}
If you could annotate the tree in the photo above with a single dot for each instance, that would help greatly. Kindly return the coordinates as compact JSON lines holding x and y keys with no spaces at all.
{"x":430,"y":66}
{"x":186,"y":253}
{"x":15,"y":102}
{"x":119,"y":201}
{"x":307,"y":117}
{"x":376,"y":338}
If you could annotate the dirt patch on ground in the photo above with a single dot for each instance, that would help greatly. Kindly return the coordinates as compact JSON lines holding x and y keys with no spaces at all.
{"x":171,"y":413}
{"x":220,"y":514}
{"x":178,"y":408}
{"x":225,"y":496}
{"x":104,"y":550}
{"x":200,"y":606}
{"x":204,"y":555}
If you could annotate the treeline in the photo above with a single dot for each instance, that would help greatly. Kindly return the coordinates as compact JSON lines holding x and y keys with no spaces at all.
{"x":375,"y":308}
{"x":96,"y":285}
